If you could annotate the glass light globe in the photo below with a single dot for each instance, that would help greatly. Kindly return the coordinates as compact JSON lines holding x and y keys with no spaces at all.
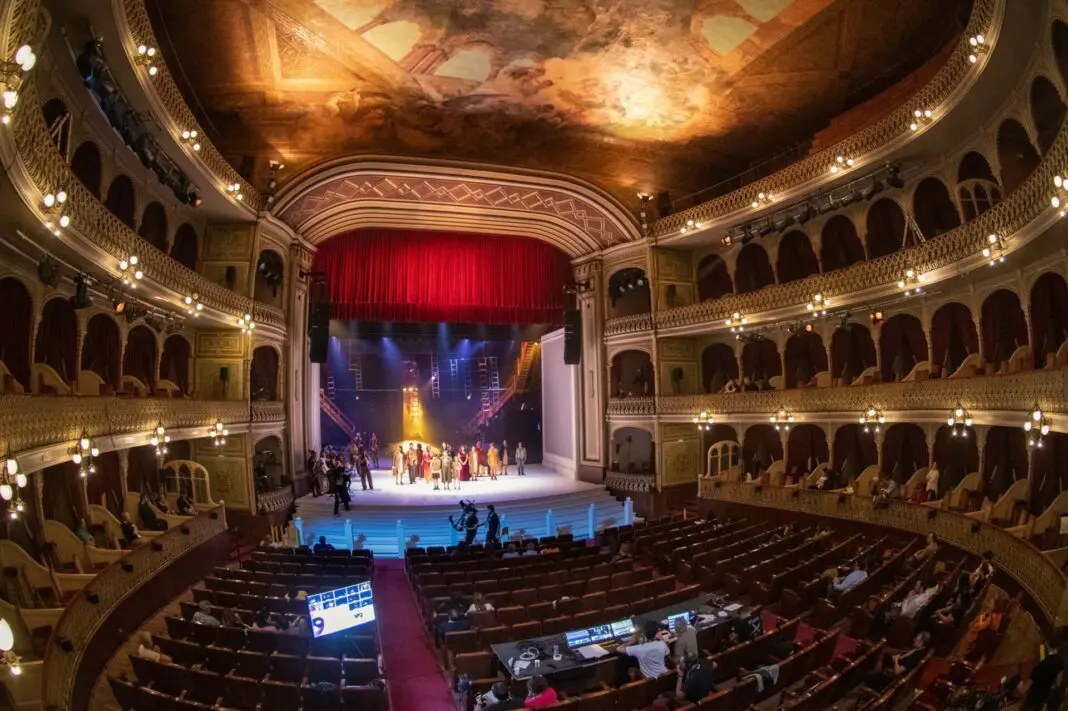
{"x":1045,"y":429}
{"x":1036,"y":415}
{"x":21,"y":480}
{"x":7,"y":636}
{"x":25,"y":57}
{"x":84,"y":443}
{"x":1027,"y":426}
{"x":76,"y":458}
{"x":6,"y":492}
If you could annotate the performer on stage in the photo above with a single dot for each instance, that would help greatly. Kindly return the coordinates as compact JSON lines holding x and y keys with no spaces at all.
{"x":463,"y":460}
{"x":504,"y":458}
{"x":374,"y":449}
{"x":493,"y":460}
{"x":399,"y":465}
{"x":415,"y":456}
{"x":479,"y":460}
{"x":435,"y":470}
{"x":427,"y":456}
{"x":448,"y":466}
{"x":520,"y":458}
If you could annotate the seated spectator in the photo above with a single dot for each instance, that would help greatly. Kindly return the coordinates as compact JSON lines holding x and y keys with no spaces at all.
{"x":230,"y":618}
{"x":263,"y":622}
{"x":456,"y":601}
{"x":149,"y":519}
{"x":749,"y":386}
{"x":697,"y":677}
{"x":895,"y":665}
{"x":921,"y":556}
{"x":978,"y":577}
{"x":269,"y":542}
{"x":685,"y":640}
{"x":322,"y":546}
{"x":130,"y":534}
{"x":296,"y":594}
{"x":855,"y":578}
{"x":530,"y":549}
{"x":82,"y":532}
{"x":1046,"y":679}
{"x":914,"y":602}
{"x":539,"y":693}
{"x":731,"y":386}
{"x":883,"y":490}
{"x":456,"y":622}
{"x":203,"y":615}
{"x":148,"y":649}
{"x":498,"y":694}
{"x":299,"y":627}
{"x":510,"y":551}
{"x":160,"y":503}
{"x":623,"y":553}
{"x":479,"y":604}
{"x":649,"y":651}
{"x":184,"y":504}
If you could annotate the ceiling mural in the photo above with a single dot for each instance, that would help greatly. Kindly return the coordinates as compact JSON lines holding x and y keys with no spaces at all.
{"x":662,"y":94}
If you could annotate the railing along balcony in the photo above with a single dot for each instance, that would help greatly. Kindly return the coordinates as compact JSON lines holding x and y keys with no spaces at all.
{"x":632,"y":406}
{"x":635,"y":323}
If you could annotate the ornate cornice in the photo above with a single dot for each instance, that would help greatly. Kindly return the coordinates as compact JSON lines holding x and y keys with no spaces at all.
{"x":1036,"y":573}
{"x":989,"y":394}
{"x":868,"y":145}
{"x":173,"y":114}
{"x":277,"y":500}
{"x":350,"y":193}
{"x":45,"y":170}
{"x":81,"y":619}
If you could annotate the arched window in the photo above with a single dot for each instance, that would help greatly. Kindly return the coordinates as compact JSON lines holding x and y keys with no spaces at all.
{"x":264,"y":373}
{"x":154,"y":226}
{"x":760,"y":360}
{"x":977,"y":187}
{"x":753,"y":269}
{"x":1049,"y":318}
{"x":805,"y":358}
{"x":718,"y":365}
{"x":902,"y":344}
{"x":807,"y":450}
{"x":57,"y":339}
{"x":761,"y":447}
{"x":1004,"y":327}
{"x":854,"y":451}
{"x":933,"y":208}
{"x":57,"y":118}
{"x":632,"y":451}
{"x":174,"y":363}
{"x":101,"y":350}
{"x":184,"y":249}
{"x":270,"y":273}
{"x":15,"y":334}
{"x":840,"y":245}
{"x":1016,"y":154}
{"x":87,"y":167}
{"x":139,"y":357}
{"x":1047,"y":110}
{"x":852,"y":352}
{"x":121,"y":199}
{"x":904,"y":451}
{"x":713,"y":280}
{"x":885,"y":228}
{"x":953,"y":338}
{"x":632,"y":374}
{"x":796,"y":258}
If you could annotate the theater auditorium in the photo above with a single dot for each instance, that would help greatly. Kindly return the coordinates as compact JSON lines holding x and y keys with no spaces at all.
{"x":383,"y":355}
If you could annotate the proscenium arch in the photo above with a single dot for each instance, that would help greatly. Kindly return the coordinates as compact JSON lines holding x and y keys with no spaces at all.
{"x":351,"y":193}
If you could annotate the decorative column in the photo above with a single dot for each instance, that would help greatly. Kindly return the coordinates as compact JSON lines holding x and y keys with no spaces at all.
{"x":124,"y":470}
{"x":301,"y":393}
{"x":739,"y":347}
{"x":37,"y":502}
{"x":828,"y":343}
{"x":877,"y":437}
{"x":592,"y":368}
{"x":981,"y":432}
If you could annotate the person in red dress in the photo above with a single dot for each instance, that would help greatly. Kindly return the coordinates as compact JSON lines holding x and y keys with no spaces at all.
{"x":427,"y":456}
{"x":465,"y":469}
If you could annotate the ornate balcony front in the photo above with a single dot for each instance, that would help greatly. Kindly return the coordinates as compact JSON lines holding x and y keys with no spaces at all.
{"x":631,"y":406}
{"x":636,"y":323}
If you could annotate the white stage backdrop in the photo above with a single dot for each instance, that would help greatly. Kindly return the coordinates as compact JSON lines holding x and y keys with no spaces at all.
{"x":559,"y":405}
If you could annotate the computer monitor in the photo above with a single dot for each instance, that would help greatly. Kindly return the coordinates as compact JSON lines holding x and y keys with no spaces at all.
{"x":620,"y":629}
{"x":577,"y":638}
{"x":341,"y":609}
{"x":687,"y":615}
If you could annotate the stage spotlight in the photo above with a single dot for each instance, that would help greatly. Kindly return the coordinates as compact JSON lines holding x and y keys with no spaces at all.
{"x":81,"y":299}
{"x":807,"y":214}
{"x":120,"y":306}
{"x":893,"y":178}
{"x":766,"y":230}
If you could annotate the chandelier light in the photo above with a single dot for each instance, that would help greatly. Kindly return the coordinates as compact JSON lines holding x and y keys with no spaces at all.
{"x":736,"y":322}
{"x":235,"y":190}
{"x":960,"y":420}
{"x":246,"y":323}
{"x":218,"y":433}
{"x":191,"y":138}
{"x":912,"y":282}
{"x":84,"y":454}
{"x":11,"y":80}
{"x":819,"y":304}
{"x":994,"y":251}
{"x":920,"y":118}
{"x":7,"y":645}
{"x":193,"y":307}
{"x":11,"y":478}
{"x":762,"y":199}
{"x":704,"y":421}
{"x":690,"y":226}
{"x":146,"y":57}
{"x":1037,"y":426}
{"x":782,"y":419}
{"x":55,"y":218}
{"x":841,"y":164}
{"x":160,"y":439}
{"x":130,"y":270}
{"x":1060,"y":197}
{"x":873,"y":419}
{"x":976,"y":48}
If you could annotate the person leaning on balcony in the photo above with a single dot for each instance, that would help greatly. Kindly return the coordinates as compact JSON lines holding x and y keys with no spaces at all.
{"x":931,"y":482}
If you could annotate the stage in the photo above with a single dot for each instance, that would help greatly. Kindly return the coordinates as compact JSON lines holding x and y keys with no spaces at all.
{"x":384,"y":517}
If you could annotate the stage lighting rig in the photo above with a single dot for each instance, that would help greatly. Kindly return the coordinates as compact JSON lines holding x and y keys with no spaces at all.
{"x":578,"y":287}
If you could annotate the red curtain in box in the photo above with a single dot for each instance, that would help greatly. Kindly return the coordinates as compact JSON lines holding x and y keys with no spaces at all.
{"x":444,"y":277}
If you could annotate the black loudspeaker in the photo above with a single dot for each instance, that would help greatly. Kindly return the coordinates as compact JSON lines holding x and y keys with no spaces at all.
{"x":224,"y":374}
{"x":572,"y":337}
{"x":318,"y":331}
{"x":663,"y":204}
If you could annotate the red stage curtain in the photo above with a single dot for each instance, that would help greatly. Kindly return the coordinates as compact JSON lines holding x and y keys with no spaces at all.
{"x":443,"y":277}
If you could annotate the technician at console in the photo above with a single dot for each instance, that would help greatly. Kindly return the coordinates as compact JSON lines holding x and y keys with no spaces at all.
{"x":648,"y":651}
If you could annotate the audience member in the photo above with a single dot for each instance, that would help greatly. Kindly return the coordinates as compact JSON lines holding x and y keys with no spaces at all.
{"x":149,"y":519}
{"x":184,"y":504}
{"x":922,"y":555}
{"x":82,"y":532}
{"x":230,"y":618}
{"x":510,"y":551}
{"x":539,"y":693}
{"x":498,"y":698}
{"x":455,"y":622}
{"x":685,"y":640}
{"x":262,"y":621}
{"x":479,"y":604}
{"x":623,"y":553}
{"x":855,"y":578}
{"x":148,"y":649}
{"x":895,"y":665}
{"x":649,"y":651}
{"x":322,"y":546}
{"x":203,"y":615}
{"x":930,"y":489}
{"x":296,"y":594}
{"x":1046,"y":679}
{"x":530,"y":549}
{"x":130,"y":534}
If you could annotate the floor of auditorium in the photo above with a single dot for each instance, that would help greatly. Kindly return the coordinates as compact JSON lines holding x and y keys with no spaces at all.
{"x":384,"y":520}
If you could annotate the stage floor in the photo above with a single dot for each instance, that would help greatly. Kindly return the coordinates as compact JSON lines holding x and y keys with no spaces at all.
{"x":537,"y":504}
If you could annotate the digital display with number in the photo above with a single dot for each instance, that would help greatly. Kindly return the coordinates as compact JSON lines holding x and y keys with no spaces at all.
{"x":341,"y":609}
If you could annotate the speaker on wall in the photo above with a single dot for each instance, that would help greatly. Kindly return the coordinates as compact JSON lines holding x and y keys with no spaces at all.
{"x":572,"y":337}
{"x":318,"y":330}
{"x":663,"y":204}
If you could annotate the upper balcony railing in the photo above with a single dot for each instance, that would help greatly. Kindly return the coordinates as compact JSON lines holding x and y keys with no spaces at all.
{"x":178,"y":116}
{"x":28,"y":421}
{"x":996,"y":393}
{"x":48,"y":171}
{"x":874,"y":140}
{"x":635,"y":323}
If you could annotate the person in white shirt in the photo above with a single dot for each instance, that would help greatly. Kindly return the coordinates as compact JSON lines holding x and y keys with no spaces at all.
{"x":648,"y":650}
{"x":931,"y":487}
{"x":855,"y":578}
{"x":520,"y":458}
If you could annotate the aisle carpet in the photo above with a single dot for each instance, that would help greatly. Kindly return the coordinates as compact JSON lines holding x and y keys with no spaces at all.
{"x":416,"y":680}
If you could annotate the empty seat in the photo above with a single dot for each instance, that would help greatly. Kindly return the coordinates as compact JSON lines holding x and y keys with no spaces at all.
{"x":254,"y":665}
{"x":511,"y":615}
{"x":219,"y":659}
{"x":286,"y":667}
{"x":360,"y":672}
{"x":280,"y":696}
{"x":363,"y":698}
{"x":205,"y":687}
{"x":242,"y":693}
{"x":323,"y":669}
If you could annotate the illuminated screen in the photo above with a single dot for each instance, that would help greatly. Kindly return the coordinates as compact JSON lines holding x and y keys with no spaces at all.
{"x":599,"y":633}
{"x":688,"y":616}
{"x":341,"y":609}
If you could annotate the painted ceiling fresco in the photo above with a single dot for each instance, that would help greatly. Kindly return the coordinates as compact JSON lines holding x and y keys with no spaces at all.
{"x":660,"y":94}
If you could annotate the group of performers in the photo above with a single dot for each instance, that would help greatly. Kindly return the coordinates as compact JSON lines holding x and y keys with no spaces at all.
{"x":447,"y":466}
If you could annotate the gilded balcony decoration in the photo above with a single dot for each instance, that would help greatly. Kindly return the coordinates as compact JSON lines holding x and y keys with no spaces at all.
{"x":1006,"y":393}
{"x":277,"y":500}
{"x":635,"y":323}
{"x":632,"y":406}
{"x":47,"y":170}
{"x":27,"y":421}
{"x":268,"y":411}
{"x":1033,"y":570}
{"x":134,"y":15}
{"x":1028,"y":203}
{"x":874,"y":139}
{"x":82,"y":618}
{"x":621,"y":481}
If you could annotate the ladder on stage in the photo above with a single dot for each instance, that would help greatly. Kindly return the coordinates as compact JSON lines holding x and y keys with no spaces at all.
{"x":337,"y":416}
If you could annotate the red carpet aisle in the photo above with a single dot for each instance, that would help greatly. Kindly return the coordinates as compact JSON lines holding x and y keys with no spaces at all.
{"x":416,"y":680}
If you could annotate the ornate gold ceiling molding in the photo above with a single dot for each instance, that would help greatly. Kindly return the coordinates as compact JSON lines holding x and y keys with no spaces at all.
{"x":868,"y":146}
{"x":375,"y":191}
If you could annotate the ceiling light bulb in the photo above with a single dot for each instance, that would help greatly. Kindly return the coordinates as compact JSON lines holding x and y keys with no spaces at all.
{"x":153,"y":71}
{"x":49,"y":200}
{"x":76,"y":457}
{"x":151,"y":52}
{"x":7,"y":636}
{"x":25,"y":57}
{"x":141,"y":49}
{"x":1036,"y":415}
{"x":1045,"y":429}
{"x":124,"y":265}
{"x":21,"y":480}
{"x":64,"y":221}
{"x":11,"y":98}
{"x":133,"y":259}
{"x":138,"y":274}
{"x":6,"y":492}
